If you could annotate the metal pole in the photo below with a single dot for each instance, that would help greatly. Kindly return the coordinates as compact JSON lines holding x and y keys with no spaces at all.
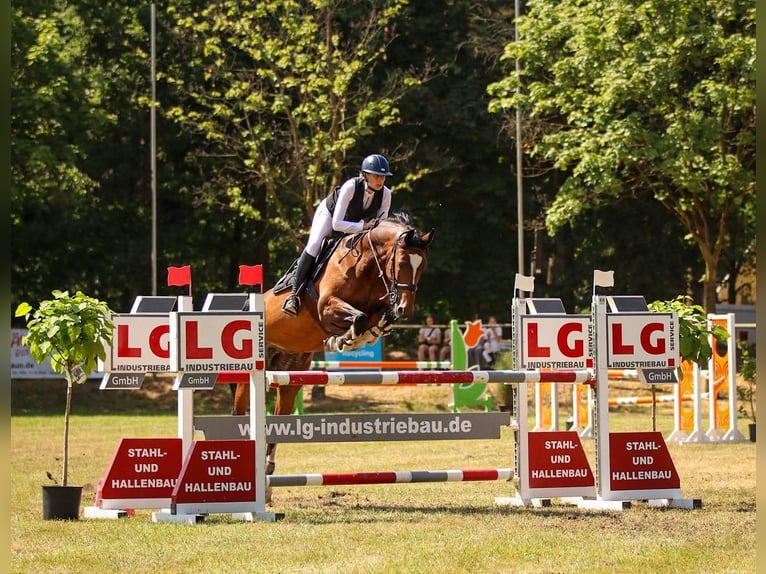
{"x":153,"y":159}
{"x":519,"y":167}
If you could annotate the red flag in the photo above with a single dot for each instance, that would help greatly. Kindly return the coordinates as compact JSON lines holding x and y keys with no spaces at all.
{"x":251,"y":275}
{"x":179,"y":276}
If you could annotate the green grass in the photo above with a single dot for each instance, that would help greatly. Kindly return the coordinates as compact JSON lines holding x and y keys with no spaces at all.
{"x":437,"y":527}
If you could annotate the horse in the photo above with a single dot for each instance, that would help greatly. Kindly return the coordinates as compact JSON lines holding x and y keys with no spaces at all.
{"x":368,"y":282}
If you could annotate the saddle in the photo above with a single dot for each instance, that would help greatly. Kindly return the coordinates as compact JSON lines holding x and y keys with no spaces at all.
{"x":288,"y":279}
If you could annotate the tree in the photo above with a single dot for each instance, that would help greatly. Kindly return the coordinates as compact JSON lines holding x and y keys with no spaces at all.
{"x":283,"y":93}
{"x":79,"y":153}
{"x":644,"y":98}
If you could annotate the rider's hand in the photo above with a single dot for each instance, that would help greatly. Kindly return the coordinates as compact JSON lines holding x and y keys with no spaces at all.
{"x":369,"y":224}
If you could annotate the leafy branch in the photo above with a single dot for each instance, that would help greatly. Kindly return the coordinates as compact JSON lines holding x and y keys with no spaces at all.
{"x":694,"y":330}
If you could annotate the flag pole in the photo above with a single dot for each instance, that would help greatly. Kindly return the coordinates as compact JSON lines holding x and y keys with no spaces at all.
{"x":153,"y":155}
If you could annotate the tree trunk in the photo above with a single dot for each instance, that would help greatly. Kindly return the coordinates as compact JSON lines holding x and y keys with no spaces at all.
{"x":709,"y":295}
{"x":65,"y":464}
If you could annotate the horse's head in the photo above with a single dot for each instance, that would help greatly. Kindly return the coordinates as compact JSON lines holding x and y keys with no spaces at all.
{"x":406,"y":263}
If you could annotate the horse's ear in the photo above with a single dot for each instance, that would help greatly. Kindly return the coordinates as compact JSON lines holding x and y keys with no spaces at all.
{"x":411,"y":239}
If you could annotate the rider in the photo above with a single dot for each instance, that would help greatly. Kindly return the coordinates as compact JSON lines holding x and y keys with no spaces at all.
{"x":348,"y":209}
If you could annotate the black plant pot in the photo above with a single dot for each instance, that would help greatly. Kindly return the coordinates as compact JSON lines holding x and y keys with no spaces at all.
{"x":61,"y":502}
{"x":751,"y":428}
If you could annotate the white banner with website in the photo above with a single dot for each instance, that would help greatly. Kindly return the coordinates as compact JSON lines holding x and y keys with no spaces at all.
{"x":23,"y":366}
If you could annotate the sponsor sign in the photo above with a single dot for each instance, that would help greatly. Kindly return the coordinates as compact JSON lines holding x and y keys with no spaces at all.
{"x":217,"y":471}
{"x":641,"y":461}
{"x":213,"y":342}
{"x":142,"y":474}
{"x":557,"y":460}
{"x":23,"y":366}
{"x":359,"y":427}
{"x":369,"y":352}
{"x":642,"y":340}
{"x":657,"y":376}
{"x":140,"y":344}
{"x":203,"y":381}
{"x":113,"y":381}
{"x":555,"y":342}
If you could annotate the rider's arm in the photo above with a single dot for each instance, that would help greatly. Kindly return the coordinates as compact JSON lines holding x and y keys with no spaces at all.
{"x":385,"y":204}
{"x":339,"y":222}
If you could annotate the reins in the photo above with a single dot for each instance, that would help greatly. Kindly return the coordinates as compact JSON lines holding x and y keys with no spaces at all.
{"x":392,"y":291}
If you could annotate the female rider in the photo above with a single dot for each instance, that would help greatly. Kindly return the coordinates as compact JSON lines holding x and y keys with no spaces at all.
{"x":348,"y":209}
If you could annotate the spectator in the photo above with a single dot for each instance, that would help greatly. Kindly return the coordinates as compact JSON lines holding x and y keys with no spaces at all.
{"x":445,"y":352}
{"x":476,"y":353}
{"x":429,"y":338}
{"x":493,"y":334}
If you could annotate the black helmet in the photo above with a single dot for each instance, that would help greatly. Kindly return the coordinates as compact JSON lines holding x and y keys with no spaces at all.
{"x":376,"y":164}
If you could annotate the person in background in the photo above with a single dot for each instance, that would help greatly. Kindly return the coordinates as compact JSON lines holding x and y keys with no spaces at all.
{"x":445,"y":352}
{"x":429,"y":338}
{"x":493,"y":334}
{"x":476,"y":353}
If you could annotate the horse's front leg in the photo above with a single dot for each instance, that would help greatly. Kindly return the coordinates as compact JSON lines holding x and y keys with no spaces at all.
{"x":337,"y":314}
{"x":383,"y":325}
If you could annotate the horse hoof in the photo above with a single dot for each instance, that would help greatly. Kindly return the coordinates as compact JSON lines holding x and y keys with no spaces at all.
{"x":268,"y":495}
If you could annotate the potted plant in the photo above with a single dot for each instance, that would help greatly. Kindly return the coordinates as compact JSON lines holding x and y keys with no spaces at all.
{"x":746,"y":394}
{"x":72,"y":331}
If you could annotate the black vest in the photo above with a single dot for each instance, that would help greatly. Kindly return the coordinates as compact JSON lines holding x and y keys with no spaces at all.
{"x":356,"y":211}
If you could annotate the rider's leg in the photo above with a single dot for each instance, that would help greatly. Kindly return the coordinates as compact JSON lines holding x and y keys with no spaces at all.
{"x":292,"y":304}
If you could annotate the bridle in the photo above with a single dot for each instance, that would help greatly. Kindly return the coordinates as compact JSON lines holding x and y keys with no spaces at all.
{"x":392,"y":289}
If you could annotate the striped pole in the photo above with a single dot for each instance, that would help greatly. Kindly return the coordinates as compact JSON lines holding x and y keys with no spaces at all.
{"x":393,"y":477}
{"x":648,"y":400}
{"x":630,"y":374}
{"x":394,"y":365}
{"x":283,"y":378}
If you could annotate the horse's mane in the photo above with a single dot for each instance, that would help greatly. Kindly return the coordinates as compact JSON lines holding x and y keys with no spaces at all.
{"x":401,"y":216}
{"x":404,"y":218}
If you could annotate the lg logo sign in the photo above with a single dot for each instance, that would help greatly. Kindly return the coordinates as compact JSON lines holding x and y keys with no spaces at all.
{"x":555,"y":342}
{"x":640,"y":340}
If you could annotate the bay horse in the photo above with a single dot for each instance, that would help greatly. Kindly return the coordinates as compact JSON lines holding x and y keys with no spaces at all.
{"x":368,"y":282}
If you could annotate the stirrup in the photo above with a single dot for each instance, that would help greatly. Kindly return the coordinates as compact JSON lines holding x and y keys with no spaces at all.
{"x":292,"y":305}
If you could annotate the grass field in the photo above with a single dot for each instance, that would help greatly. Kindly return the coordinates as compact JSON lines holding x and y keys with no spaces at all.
{"x":439,"y":527}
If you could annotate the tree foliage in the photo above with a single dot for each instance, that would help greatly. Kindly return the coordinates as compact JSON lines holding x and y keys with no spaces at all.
{"x":643,"y":98}
{"x":262,"y":106}
{"x":285,"y":91}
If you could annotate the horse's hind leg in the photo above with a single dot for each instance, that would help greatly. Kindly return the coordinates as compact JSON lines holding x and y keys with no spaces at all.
{"x":241,"y":399}
{"x":285,"y":405}
{"x":286,"y":395}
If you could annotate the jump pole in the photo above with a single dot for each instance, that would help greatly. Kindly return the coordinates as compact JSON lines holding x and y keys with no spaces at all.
{"x":389,"y":365}
{"x":465,"y":395}
{"x":390,"y":477}
{"x":298,"y":378}
{"x":308,"y":378}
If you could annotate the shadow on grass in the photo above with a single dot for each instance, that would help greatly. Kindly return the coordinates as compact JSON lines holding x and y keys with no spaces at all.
{"x":331,"y":511}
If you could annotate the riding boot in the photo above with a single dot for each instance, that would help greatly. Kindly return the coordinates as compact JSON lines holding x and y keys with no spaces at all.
{"x":292,"y":305}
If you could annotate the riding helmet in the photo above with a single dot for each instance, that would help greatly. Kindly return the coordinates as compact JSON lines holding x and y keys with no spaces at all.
{"x":376,"y":164}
